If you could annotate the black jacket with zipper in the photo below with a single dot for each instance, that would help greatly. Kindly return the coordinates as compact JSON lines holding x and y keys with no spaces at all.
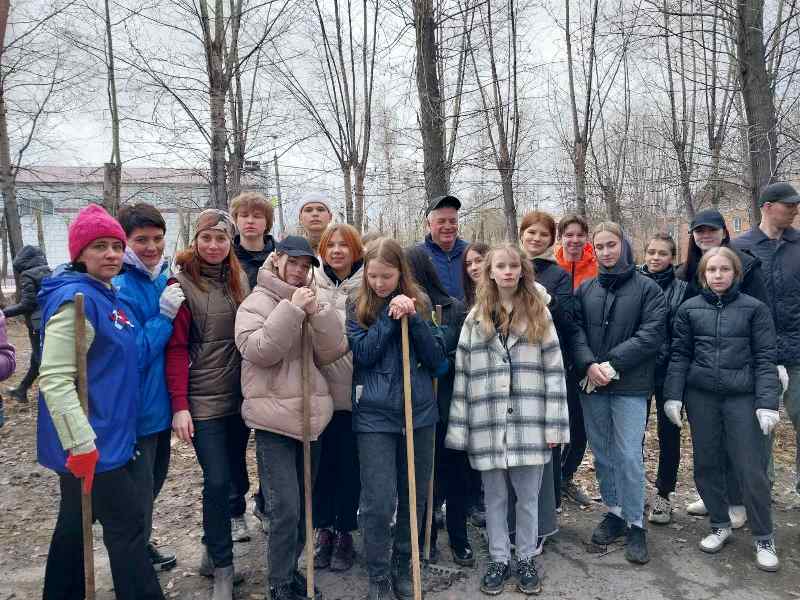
{"x":674,"y":294}
{"x":624,"y":324}
{"x":724,"y":345}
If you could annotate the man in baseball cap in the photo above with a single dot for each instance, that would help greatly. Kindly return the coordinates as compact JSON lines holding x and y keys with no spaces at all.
{"x":443,"y":245}
{"x":777,"y":243}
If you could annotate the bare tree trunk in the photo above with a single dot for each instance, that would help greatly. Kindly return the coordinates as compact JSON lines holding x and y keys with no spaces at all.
{"x":112,"y":171}
{"x":358,"y":209}
{"x":4,"y":264}
{"x":758,"y":97}
{"x":509,"y":207}
{"x":716,"y":151}
{"x":347,"y":178}
{"x":40,"y":229}
{"x":281,"y":220}
{"x":111,"y":187}
{"x":430,"y":111}
{"x":8,"y":173}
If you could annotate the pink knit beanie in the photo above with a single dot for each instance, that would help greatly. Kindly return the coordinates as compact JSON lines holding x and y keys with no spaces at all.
{"x":92,"y":222}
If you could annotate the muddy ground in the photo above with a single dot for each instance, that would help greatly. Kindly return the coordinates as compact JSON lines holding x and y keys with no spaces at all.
{"x":29,"y":494}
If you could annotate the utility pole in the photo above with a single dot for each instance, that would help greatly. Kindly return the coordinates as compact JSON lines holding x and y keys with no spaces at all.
{"x":281,"y":222}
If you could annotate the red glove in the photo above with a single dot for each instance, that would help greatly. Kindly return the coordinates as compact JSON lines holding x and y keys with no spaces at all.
{"x":82,"y":466}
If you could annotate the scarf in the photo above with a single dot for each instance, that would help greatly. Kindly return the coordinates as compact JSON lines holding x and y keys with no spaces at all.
{"x":663,"y":278}
{"x":613,"y":277}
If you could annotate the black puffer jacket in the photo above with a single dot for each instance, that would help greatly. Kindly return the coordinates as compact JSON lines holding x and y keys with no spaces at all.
{"x":724,"y":345}
{"x":674,"y":294}
{"x":558,"y":284}
{"x":31,"y":266}
{"x":251,"y":260}
{"x":623,"y":322}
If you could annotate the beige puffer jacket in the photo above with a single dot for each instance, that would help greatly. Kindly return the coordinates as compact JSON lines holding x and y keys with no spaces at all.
{"x":339,"y":375}
{"x":268,"y":331}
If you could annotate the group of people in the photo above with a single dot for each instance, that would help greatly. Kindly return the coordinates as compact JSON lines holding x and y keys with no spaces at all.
{"x":519,"y":356}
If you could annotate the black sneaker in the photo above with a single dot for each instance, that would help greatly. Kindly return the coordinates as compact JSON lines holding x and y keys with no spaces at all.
{"x":162,"y":560}
{"x":298,"y":587}
{"x":380,"y":589}
{"x":610,"y":528}
{"x":636,"y":546}
{"x":527,"y":578}
{"x":463,"y":555}
{"x":493,"y":583}
{"x":323,"y":548}
{"x":401,"y":577}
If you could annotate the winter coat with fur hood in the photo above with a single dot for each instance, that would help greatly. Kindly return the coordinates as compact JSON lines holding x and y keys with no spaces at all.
{"x":339,"y":374}
{"x":268,"y":335}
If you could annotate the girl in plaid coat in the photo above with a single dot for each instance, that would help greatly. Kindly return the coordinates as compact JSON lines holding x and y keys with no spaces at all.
{"x":509,"y":406}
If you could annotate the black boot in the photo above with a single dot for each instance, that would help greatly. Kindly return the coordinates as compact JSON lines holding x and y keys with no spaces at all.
{"x":162,"y":560}
{"x":610,"y":528}
{"x":19,"y":394}
{"x":281,"y":592}
{"x":401,"y":577}
{"x":636,"y":546}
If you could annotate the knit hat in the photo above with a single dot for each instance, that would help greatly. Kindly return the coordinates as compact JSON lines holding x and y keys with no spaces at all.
{"x":316,"y":198}
{"x":92,"y":222}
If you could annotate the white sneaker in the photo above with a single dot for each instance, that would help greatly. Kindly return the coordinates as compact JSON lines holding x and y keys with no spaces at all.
{"x":767,"y":556}
{"x":737,"y":515}
{"x":239,"y":530}
{"x":715,"y":540}
{"x":660,"y":511}
{"x":697,"y":508}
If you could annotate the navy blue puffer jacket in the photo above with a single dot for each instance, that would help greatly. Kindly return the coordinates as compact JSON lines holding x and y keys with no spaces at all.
{"x":378,"y":372}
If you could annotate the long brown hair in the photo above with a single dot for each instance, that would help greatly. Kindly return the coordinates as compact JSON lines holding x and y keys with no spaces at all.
{"x":469,"y":285}
{"x":368,"y":303}
{"x":190,"y":262}
{"x":529,"y":313}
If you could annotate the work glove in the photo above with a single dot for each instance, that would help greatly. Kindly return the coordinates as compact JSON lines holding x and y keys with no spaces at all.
{"x":767,"y":419}
{"x":784,"y":377}
{"x":672,"y":408}
{"x":170,"y":301}
{"x":82,"y":466}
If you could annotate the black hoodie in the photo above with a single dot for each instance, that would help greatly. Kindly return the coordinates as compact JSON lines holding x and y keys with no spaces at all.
{"x":31,"y":266}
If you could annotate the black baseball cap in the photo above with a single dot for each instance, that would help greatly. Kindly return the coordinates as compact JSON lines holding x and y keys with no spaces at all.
{"x":779,"y":192}
{"x":442,"y":202}
{"x":294,"y":245}
{"x":708,"y":218}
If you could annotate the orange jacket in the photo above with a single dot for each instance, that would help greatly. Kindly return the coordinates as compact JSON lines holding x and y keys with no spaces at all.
{"x":584,"y":269}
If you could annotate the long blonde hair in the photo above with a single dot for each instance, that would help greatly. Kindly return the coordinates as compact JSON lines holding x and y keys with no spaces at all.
{"x":368,"y":303}
{"x":529,"y":313}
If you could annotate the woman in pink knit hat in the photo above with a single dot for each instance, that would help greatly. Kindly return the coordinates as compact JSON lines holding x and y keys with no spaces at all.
{"x":92,"y":450}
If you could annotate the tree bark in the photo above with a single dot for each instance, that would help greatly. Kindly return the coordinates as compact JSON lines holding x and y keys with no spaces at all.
{"x":112,"y":171}
{"x":358,"y":208}
{"x":111,"y":187}
{"x":347,"y":178}
{"x":9,"y":176}
{"x":758,"y":97}
{"x":430,"y":100}
{"x":40,"y":229}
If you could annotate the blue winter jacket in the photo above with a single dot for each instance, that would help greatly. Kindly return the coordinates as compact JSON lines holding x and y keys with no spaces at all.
{"x":449,"y":265}
{"x":139,"y":295}
{"x":112,"y":372}
{"x":378,"y":372}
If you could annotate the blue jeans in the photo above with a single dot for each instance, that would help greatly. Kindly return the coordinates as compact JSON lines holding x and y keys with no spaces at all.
{"x":614,"y":427}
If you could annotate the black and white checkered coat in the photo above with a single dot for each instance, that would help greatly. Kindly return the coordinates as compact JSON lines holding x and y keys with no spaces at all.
{"x":507,"y":404}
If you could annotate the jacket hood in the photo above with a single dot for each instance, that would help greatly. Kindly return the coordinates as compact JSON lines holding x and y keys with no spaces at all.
{"x":27,"y":258}
{"x":588,"y":257}
{"x":131,"y":261}
{"x":349,"y":285}
{"x":64,"y":276}
{"x":272,"y":284}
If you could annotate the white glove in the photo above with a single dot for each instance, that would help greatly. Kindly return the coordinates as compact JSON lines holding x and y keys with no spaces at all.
{"x":672,"y":408}
{"x":767,"y":419}
{"x":170,"y":301}
{"x":784,"y":377}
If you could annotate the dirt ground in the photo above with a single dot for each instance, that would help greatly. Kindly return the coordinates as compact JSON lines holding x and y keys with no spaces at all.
{"x":29,"y":495}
